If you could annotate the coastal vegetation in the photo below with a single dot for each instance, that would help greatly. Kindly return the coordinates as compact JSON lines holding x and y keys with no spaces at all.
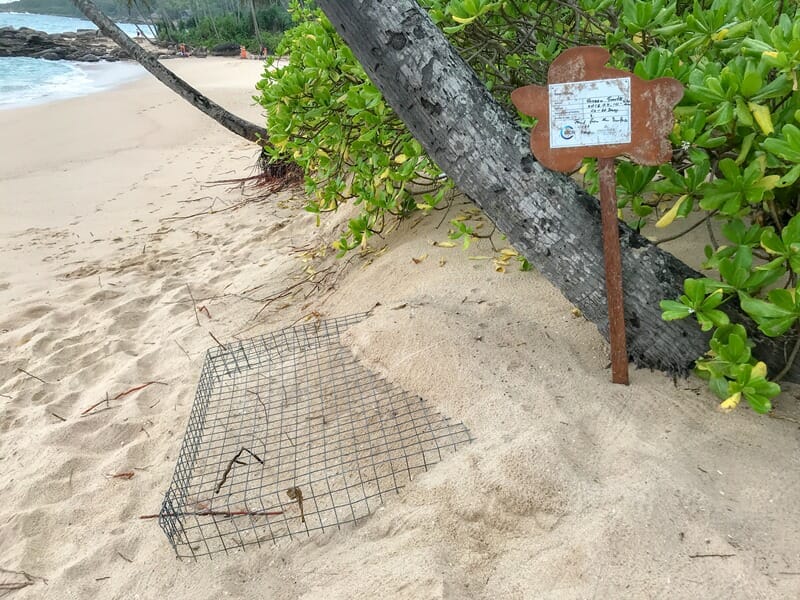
{"x":258,"y":25}
{"x":735,"y":167}
{"x":255,"y":24}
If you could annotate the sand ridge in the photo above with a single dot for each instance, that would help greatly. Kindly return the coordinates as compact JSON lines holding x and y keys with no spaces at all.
{"x":573,"y":487}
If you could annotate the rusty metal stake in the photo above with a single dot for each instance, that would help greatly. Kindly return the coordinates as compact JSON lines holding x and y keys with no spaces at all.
{"x":613,"y":265}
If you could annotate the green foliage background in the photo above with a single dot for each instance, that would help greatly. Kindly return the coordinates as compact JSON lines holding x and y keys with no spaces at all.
{"x":210,"y":30}
{"x":736,"y":141}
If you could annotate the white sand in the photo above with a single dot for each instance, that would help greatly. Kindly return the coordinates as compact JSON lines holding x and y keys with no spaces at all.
{"x":574,"y":488}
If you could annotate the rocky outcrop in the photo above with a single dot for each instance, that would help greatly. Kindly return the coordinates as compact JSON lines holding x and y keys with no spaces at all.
{"x":83,"y":45}
{"x":225,"y":49}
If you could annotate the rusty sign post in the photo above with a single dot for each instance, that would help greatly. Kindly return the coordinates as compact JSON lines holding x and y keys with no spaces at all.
{"x":590,"y":110}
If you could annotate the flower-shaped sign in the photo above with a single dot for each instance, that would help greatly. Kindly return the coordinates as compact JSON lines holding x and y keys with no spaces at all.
{"x":590,"y":110}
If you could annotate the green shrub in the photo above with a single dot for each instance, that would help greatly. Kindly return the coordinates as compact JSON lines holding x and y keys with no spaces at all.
{"x":736,"y":140}
{"x":324,"y":113}
{"x":212,"y":30}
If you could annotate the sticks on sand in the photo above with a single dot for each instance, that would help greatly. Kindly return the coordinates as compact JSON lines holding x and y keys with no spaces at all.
{"x":236,"y":460}
{"x":120,"y":395}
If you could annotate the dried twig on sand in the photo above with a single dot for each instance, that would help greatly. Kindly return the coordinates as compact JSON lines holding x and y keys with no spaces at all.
{"x":137,"y":388}
{"x":120,"y":395}
{"x":315,"y":281}
{"x":220,"y":513}
{"x":95,"y":405}
{"x":194,"y":304}
{"x":16,"y":580}
{"x":213,"y":337}
{"x":236,"y":460}
{"x":32,"y":375}
{"x":184,"y":350}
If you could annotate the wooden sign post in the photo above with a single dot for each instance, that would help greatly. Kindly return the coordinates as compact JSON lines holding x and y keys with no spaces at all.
{"x":590,"y":110}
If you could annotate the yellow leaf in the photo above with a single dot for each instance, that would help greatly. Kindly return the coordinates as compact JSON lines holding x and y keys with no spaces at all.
{"x":762,"y":116}
{"x":480,"y":257}
{"x":759,"y":370}
{"x":509,"y":252}
{"x":385,"y":173}
{"x":772,"y":54}
{"x":583,"y":169}
{"x":499,"y":267}
{"x":670,"y":215}
{"x":419,"y":259}
{"x":576,"y":312}
{"x":731,"y":403}
{"x":768,"y":182}
{"x":445,"y":244}
{"x":720,"y":35}
{"x":464,"y":20}
{"x":400,"y":159}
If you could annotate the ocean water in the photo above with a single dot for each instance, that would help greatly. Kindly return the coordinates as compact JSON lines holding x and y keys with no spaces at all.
{"x":53,"y":24}
{"x":26,"y":81}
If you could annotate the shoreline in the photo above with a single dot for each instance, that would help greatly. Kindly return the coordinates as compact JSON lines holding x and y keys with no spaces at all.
{"x":80,"y":162}
{"x":93,"y":78}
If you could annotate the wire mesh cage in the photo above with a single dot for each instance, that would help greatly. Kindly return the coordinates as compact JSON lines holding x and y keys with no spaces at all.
{"x":288,"y":435}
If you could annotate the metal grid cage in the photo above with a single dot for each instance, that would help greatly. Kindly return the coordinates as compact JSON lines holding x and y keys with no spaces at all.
{"x":289,"y":434}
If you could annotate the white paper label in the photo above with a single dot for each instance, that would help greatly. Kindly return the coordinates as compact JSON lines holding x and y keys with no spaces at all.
{"x":590,"y":113}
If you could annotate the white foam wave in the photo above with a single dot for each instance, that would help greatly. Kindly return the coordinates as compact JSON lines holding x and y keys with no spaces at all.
{"x":43,"y":81}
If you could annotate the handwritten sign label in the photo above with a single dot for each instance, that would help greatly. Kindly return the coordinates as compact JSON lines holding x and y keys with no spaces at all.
{"x":590,"y":113}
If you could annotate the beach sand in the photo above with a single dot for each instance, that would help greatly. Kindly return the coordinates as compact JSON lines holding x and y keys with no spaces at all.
{"x":573,"y":487}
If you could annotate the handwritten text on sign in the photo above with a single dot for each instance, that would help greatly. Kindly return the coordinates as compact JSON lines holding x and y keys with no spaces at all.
{"x":590,"y":113}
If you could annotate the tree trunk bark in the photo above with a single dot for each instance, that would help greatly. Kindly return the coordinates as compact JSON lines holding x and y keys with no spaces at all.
{"x":256,"y":31}
{"x":237,"y":125}
{"x":545,"y":215}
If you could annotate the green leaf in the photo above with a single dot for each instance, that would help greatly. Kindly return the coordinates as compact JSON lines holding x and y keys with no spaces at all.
{"x":772,"y":243}
{"x":761,"y":310}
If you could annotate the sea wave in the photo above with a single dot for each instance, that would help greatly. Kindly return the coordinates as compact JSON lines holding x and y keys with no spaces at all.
{"x":27,"y":81}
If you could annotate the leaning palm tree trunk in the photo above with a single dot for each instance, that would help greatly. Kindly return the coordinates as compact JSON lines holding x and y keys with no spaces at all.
{"x":239,"y":126}
{"x":256,"y":32}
